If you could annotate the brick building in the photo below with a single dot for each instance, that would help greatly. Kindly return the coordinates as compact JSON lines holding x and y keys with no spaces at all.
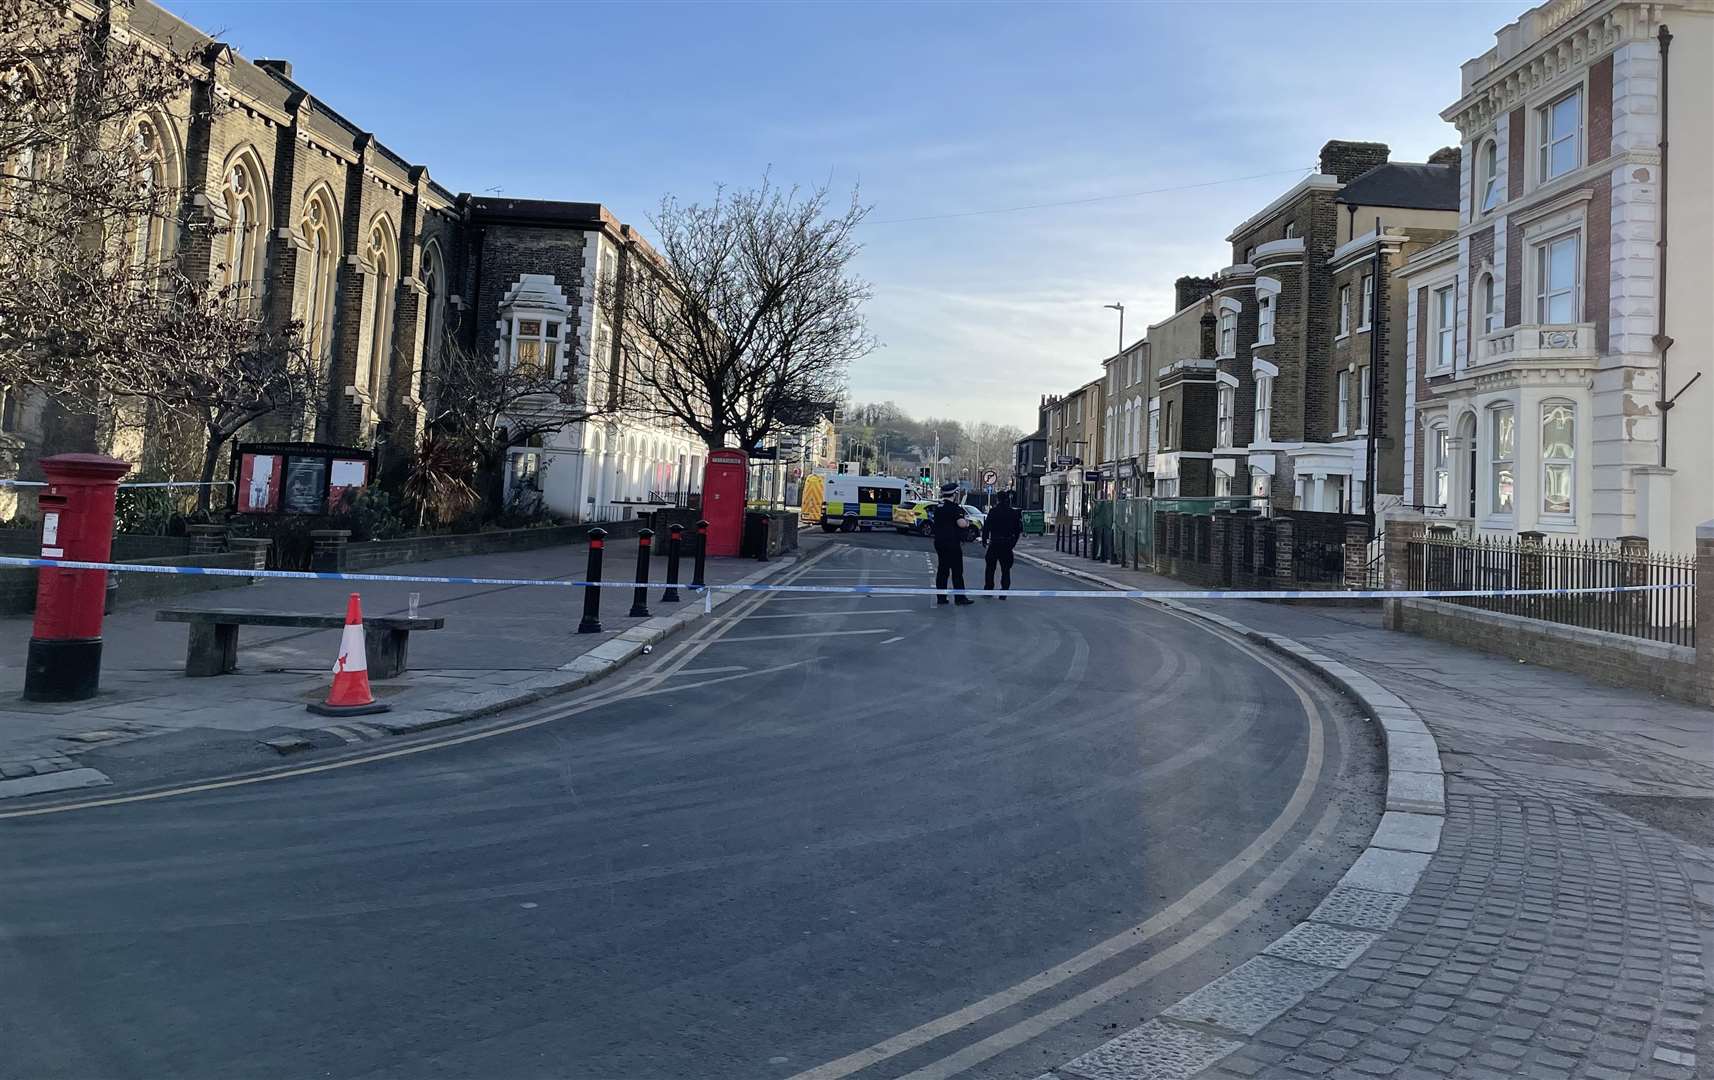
{"x":1179,"y":460}
{"x":1548,"y":334}
{"x":1073,"y":426}
{"x":316,"y":219}
{"x":1309,"y":395}
{"x":1124,"y":419}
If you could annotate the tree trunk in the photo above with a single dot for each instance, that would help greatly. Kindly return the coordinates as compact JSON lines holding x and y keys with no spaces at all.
{"x":210,"y":462}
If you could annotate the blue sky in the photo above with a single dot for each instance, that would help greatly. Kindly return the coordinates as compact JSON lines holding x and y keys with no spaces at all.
{"x":933,"y":109}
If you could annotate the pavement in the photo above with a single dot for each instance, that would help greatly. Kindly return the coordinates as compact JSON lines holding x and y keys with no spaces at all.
{"x":1563,"y":928}
{"x":502,"y":646}
{"x":816,"y":836}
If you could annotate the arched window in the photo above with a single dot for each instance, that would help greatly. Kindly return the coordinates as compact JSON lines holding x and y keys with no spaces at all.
{"x":19,"y":91}
{"x":1558,"y":457}
{"x":1488,"y":296}
{"x":146,"y":245}
{"x":1488,"y":177}
{"x":384,"y":263}
{"x":246,"y":202}
{"x":434,"y":294}
{"x":320,"y":229}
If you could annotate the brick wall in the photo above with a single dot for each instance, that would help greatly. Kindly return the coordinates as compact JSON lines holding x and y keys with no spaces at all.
{"x":1346,"y":161}
{"x":1601,"y":108}
{"x":1188,"y":290}
{"x":1514,"y":276}
{"x":374,"y":553}
{"x":1609,"y":658}
{"x":1598,"y":269}
{"x":505,"y":253}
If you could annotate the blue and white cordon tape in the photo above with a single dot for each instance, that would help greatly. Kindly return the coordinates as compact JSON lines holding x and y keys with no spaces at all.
{"x":847,"y":590}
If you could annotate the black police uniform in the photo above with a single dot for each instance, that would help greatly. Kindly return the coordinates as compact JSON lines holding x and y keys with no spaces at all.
{"x":1001,"y":530}
{"x":948,"y":548}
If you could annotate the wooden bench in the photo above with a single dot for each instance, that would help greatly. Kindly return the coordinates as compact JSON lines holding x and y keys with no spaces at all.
{"x":213,"y":645}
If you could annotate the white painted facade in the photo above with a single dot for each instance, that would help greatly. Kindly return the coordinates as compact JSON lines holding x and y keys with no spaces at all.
{"x":610,"y":467}
{"x":1537,"y":424}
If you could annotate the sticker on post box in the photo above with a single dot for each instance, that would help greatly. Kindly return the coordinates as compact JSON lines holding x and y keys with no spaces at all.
{"x":50,"y":530}
{"x":53,"y":553}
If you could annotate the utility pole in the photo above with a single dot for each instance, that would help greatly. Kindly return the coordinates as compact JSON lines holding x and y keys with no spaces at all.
{"x":1120,"y":308}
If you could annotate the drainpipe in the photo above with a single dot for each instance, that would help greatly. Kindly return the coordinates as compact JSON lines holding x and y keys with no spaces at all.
{"x":1374,"y":380}
{"x":1661,"y":342}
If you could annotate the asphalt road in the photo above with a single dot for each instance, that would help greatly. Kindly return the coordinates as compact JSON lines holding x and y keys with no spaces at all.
{"x":824,"y":836}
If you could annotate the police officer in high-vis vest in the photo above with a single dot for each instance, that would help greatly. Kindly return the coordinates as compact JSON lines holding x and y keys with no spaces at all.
{"x":949,"y":526}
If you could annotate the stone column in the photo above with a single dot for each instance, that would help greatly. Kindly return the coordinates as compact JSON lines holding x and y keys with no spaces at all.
{"x":1220,"y":526}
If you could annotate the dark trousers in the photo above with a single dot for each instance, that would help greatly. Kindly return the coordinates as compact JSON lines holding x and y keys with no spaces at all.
{"x":948,"y":560}
{"x":999,"y":554}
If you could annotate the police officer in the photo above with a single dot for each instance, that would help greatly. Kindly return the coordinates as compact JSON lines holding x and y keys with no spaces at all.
{"x":1000,"y":532}
{"x":949,"y":526}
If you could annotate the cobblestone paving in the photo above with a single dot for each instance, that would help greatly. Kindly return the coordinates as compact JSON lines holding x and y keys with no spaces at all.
{"x":1554,"y":935}
{"x":1548,"y":939}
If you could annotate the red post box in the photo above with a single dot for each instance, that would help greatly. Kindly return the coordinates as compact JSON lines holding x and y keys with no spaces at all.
{"x":725,"y":481}
{"x":64,"y":661}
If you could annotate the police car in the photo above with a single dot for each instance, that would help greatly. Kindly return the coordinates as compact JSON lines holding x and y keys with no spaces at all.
{"x":912,"y":517}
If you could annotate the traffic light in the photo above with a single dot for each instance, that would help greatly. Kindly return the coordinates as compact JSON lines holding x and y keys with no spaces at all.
{"x":928,"y":474}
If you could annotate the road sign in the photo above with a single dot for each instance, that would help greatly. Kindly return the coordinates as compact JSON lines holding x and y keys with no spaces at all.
{"x":990,"y":477}
{"x":988,"y":489}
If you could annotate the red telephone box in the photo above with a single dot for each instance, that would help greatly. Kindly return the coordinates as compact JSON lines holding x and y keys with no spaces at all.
{"x":64,"y":660}
{"x":725,"y":482}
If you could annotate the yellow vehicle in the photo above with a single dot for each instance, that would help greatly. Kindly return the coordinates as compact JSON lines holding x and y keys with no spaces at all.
{"x":852,"y":502}
{"x":811,"y":500}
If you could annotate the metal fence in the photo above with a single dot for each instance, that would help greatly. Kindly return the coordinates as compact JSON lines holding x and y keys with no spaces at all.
{"x":1503,"y":562}
{"x":1318,"y":547}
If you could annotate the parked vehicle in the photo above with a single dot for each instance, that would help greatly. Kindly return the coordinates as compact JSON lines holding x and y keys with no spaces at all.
{"x":852,"y":503}
{"x":912,"y":517}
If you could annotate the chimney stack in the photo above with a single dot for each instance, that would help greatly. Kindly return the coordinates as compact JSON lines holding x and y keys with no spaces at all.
{"x":1346,"y":161}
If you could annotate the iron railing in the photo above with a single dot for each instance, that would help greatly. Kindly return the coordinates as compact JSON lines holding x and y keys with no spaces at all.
{"x":1504,"y":562}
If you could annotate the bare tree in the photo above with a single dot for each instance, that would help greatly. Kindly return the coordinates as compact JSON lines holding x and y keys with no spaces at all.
{"x":742,"y":326}
{"x":487,"y":408}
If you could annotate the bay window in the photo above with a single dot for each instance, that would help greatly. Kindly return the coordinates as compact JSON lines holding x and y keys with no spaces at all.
{"x":1558,"y":457}
{"x":1557,"y":280}
{"x":1502,"y":450}
{"x":535,"y":345}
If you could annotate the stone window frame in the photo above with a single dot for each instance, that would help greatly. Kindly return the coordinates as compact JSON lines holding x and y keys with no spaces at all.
{"x":1490,"y":175}
{"x":1491,"y":299}
{"x":1226,"y":330}
{"x":1267,"y":309}
{"x":319,"y":228}
{"x":1540,"y":116}
{"x":381,"y":252}
{"x":1537,"y":246}
{"x":1568,"y":461}
{"x":160,"y":161}
{"x":1443,"y":326}
{"x":1491,"y":415}
{"x":1437,"y":463}
{"x":1264,"y":373}
{"x":1225,"y":409}
{"x":248,"y":206}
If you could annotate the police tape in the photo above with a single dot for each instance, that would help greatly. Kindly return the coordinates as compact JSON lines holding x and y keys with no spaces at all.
{"x":842,"y":590}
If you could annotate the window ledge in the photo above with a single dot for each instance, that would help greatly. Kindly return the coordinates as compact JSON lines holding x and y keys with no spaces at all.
{"x":1360,"y":432}
{"x":1341,"y":335}
{"x":1262,"y":341}
{"x":1363,"y":328}
{"x":1338,"y":434}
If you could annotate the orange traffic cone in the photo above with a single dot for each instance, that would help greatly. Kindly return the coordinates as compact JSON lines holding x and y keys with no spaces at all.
{"x":350,"y":695}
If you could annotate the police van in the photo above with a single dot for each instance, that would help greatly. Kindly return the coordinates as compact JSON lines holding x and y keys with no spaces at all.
{"x":852,"y":502}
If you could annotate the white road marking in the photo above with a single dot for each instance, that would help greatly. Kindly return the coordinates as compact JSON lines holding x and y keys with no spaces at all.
{"x":1119,"y":943}
{"x":710,"y":670}
{"x":831,"y":614}
{"x":814,"y":633}
{"x":890,"y":640}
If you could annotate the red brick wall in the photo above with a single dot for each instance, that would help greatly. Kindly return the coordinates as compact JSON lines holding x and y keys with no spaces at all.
{"x":1601,"y":108}
{"x":1481,"y":251}
{"x":1515,"y":155}
{"x":1597,"y":273}
{"x":1514,"y":275}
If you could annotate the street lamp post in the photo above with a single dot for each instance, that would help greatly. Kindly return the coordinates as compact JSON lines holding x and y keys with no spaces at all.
{"x":1120,"y":308}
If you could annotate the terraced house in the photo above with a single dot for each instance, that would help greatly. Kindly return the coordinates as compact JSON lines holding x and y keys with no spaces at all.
{"x":279,"y":195}
{"x":1308,"y":402}
{"x":1559,"y":342}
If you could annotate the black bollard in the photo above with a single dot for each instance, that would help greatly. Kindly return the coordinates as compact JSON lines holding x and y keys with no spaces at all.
{"x":697,"y":581}
{"x":675,"y":537}
{"x":640,"y":596}
{"x":591,"y":623}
